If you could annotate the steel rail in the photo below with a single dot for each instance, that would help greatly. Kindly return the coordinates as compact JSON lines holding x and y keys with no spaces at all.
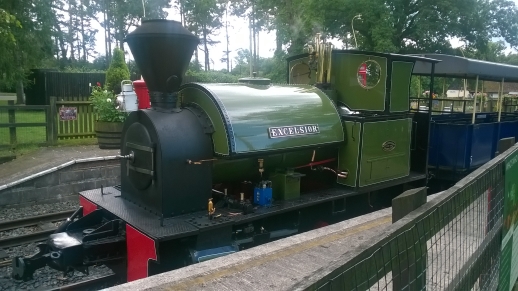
{"x":13,"y":241}
{"x":34,"y":220}
{"x":6,"y":263}
{"x":92,"y":284}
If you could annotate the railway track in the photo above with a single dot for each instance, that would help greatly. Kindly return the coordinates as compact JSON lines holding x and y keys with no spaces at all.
{"x":34,"y":220}
{"x":31,"y":221}
{"x":17,"y":234}
{"x":92,"y":284}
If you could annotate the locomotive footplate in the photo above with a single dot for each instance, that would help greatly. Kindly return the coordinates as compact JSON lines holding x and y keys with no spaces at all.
{"x":194,"y":223}
{"x":138,"y":217}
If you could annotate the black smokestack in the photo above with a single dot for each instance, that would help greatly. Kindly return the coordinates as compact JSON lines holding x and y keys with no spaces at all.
{"x":162,"y":50}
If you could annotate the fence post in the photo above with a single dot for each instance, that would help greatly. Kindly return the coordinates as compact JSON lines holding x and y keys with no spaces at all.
{"x":51,"y":122}
{"x":412,"y":267}
{"x":12,"y":120}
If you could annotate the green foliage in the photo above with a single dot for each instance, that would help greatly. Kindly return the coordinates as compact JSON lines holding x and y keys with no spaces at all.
{"x":121,"y":15}
{"x":195,"y":66}
{"x":203,"y":18}
{"x":134,"y":70}
{"x":423,"y":82}
{"x":25,"y":39}
{"x":117,"y":72}
{"x":212,"y":77}
{"x":404,"y":26}
{"x":105,"y":106}
{"x":481,"y":97}
{"x":272,"y":68}
{"x":82,"y":69}
{"x":293,"y":21}
{"x":7,"y":22}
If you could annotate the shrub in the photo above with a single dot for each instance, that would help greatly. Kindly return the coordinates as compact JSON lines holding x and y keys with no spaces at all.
{"x":117,"y":72}
{"x":105,"y":105}
{"x":212,"y":77}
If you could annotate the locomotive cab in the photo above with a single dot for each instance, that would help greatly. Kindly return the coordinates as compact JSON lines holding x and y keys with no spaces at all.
{"x":372,"y":93}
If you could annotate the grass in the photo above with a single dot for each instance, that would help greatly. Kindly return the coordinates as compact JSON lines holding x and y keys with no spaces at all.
{"x":30,"y":139}
{"x":24,"y":135}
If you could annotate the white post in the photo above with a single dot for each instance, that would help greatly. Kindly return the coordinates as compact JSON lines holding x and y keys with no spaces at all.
{"x":500,"y":95}
{"x":474,"y":102}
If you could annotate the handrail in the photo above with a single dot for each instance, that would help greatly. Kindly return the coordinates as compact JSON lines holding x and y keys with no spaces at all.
{"x":362,"y":266}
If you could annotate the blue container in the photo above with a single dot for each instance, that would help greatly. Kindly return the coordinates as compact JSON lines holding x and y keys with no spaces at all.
{"x":448,"y":146}
{"x":263,"y":195}
{"x":457,"y":144}
{"x":482,"y":142}
{"x":508,"y":129}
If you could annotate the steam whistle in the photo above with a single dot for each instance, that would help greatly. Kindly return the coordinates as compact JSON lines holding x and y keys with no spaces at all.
{"x":320,"y":59}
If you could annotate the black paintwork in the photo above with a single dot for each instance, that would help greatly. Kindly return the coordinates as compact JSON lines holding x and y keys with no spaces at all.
{"x":460,"y":67}
{"x":160,"y":178}
{"x":162,"y":50}
{"x":198,"y":222}
{"x":89,"y":240}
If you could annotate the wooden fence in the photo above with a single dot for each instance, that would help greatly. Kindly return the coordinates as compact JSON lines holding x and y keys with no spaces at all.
{"x":64,"y":86}
{"x":80,"y":127}
{"x":25,"y":124}
{"x":66,"y":115}
{"x":45,"y":124}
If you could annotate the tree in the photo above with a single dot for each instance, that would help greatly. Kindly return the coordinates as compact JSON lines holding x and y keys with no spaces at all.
{"x":117,"y":72}
{"x":32,"y":41}
{"x":272,"y":68}
{"x":203,"y":18}
{"x":511,"y":59}
{"x":289,"y":19}
{"x":7,"y":23}
{"x":73,"y":33}
{"x":410,"y":26}
{"x":123,"y":15}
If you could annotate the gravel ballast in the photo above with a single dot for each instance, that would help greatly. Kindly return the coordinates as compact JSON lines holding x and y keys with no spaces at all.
{"x":34,"y":210}
{"x":46,"y":277}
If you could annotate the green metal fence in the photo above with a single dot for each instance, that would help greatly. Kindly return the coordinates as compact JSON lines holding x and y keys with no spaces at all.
{"x":462,"y":240}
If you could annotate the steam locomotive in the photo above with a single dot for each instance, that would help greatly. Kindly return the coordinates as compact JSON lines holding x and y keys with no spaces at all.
{"x":211,"y":169}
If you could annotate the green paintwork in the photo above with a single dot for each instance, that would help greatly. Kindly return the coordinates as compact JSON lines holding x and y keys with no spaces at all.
{"x":286,"y":185}
{"x":252,"y":109}
{"x":377,"y":165}
{"x":344,"y":80}
{"x":349,"y":153}
{"x":368,"y":163}
{"x":225,"y":170}
{"x":400,"y":89}
{"x":219,"y":140}
{"x":312,"y":77}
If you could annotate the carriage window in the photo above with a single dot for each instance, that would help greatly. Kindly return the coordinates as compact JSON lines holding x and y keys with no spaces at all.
{"x":369,"y":74}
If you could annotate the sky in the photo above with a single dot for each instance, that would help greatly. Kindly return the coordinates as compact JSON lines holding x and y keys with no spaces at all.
{"x":238,"y":38}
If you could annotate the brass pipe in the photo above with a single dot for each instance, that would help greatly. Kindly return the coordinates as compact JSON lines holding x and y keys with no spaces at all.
{"x":190,"y":162}
{"x":319,"y":58}
{"x":329,"y":62}
{"x":261,"y":169}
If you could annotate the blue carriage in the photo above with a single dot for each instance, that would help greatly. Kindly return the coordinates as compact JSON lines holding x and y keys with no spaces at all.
{"x":461,"y":135}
